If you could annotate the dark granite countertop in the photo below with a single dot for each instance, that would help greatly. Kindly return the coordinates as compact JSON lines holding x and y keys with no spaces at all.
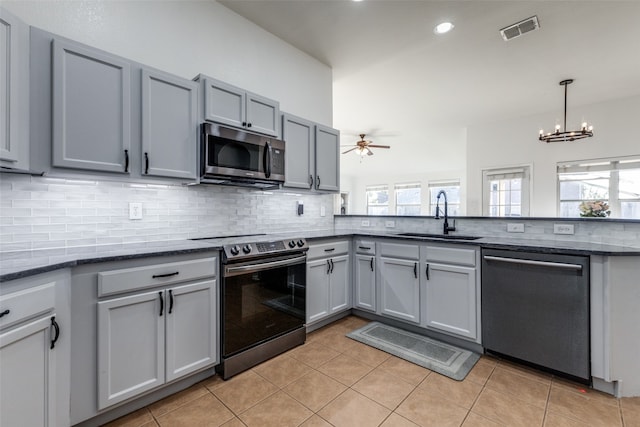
{"x":19,"y":264}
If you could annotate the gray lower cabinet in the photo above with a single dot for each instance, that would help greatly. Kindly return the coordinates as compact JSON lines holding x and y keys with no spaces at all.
{"x":364,"y":282}
{"x":169,"y":125}
{"x":232,"y":106}
{"x":312,"y":155}
{"x":34,"y":355}
{"x":14,"y":92}
{"x":399,"y":281}
{"x":452,"y":290}
{"x":91,"y":109}
{"x":328,"y":284}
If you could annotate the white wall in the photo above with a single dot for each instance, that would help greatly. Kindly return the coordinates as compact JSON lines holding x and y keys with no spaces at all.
{"x":515,"y":142}
{"x":191,"y":37}
{"x":419,"y":155}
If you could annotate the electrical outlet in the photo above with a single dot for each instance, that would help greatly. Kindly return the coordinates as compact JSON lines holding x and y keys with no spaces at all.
{"x":390,"y":224}
{"x":515,"y":228}
{"x":562,"y":228}
{"x":135,"y":210}
{"x":365,"y":223}
{"x":323,"y":211}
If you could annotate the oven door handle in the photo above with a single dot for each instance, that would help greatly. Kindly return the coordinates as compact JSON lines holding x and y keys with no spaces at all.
{"x":252,"y":268}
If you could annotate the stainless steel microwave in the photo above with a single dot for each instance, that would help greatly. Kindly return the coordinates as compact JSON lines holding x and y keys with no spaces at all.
{"x":236,"y":157}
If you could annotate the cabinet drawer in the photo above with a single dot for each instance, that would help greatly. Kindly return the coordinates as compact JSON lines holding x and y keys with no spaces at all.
{"x":396,"y":250}
{"x":28,"y":303}
{"x":448,"y":255}
{"x":367,"y":247}
{"x":328,"y":249}
{"x":131,"y":279}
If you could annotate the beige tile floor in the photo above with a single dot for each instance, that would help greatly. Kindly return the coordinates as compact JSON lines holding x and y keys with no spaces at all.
{"x":334,"y":381}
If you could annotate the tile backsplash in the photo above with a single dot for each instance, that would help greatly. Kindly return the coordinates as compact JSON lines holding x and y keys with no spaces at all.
{"x":40,"y":212}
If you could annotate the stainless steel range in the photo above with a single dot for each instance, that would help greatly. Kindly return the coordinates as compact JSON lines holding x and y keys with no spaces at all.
{"x":263,"y":306}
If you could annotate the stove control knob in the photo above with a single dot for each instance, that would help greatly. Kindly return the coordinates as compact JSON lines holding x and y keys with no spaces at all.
{"x":292,"y":244}
{"x":235,"y":250}
{"x":300,"y":243}
{"x":246,"y":249}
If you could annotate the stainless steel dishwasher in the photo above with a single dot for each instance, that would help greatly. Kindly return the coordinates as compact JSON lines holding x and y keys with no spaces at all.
{"x":535,"y":307}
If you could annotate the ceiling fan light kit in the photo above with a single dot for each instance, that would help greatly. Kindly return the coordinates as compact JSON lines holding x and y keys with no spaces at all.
{"x":585,"y":131}
{"x":363,"y":147}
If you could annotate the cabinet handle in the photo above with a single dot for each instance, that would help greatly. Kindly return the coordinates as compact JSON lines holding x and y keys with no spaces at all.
{"x":170,"y":301}
{"x":330,"y":250}
{"x":249,"y":124}
{"x":161,"y":303}
{"x":4,"y":313}
{"x":415,"y":269}
{"x":317,"y":182}
{"x":366,"y":248}
{"x":244,"y":124}
{"x":156,"y":276}
{"x":331,"y":266}
{"x":328,"y":267}
{"x":57,"y":335}
{"x":126,"y":161}
{"x":266,"y":160}
{"x":371,"y":263}
{"x":146,"y":163}
{"x":427,"y":271}
{"x":310,"y":182}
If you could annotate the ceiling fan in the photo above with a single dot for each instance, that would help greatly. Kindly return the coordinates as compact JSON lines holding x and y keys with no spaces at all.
{"x":364,"y":147}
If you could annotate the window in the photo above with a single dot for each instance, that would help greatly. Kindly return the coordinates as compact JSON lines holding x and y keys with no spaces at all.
{"x":613,"y":181}
{"x":408,"y":199}
{"x":452,"y":188}
{"x":378,"y":200}
{"x":506,"y":191}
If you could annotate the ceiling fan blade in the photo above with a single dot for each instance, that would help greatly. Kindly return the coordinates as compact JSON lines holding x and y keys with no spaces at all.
{"x":369,"y":152}
{"x":348,"y":151}
{"x":379,"y":146}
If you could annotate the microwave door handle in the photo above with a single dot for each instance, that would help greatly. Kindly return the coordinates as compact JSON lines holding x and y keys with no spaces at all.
{"x":267,"y":160}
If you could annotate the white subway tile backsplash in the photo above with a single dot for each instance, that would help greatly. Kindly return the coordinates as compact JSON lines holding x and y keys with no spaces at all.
{"x":55,"y":212}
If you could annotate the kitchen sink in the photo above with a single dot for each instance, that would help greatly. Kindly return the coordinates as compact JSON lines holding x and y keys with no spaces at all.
{"x":439,"y":236}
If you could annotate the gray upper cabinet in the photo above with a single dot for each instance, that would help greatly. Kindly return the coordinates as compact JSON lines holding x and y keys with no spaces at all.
{"x":14,"y":92}
{"x":232,"y":106}
{"x":327,"y":158}
{"x":169,"y":125}
{"x":299,"y":158}
{"x":91,"y":109}
{"x":312,"y":154}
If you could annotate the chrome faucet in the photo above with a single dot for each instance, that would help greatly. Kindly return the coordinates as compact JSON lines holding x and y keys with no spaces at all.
{"x":446,"y":228}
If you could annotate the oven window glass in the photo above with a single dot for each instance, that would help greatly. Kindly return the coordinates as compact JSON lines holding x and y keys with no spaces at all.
{"x":262,"y":305}
{"x":232,"y":154}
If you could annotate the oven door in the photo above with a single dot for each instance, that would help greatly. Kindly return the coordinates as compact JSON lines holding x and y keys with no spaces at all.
{"x":261,"y":300}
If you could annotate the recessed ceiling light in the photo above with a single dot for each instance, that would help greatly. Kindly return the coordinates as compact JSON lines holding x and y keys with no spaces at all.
{"x":443,"y":27}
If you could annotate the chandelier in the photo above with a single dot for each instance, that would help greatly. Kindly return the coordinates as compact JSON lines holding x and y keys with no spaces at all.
{"x":573,"y":135}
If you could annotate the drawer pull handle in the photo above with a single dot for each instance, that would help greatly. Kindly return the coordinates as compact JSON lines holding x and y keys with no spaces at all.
{"x":534,"y":262}
{"x":161,"y":303}
{"x":157,"y":276}
{"x":170,"y":301}
{"x":4,"y":313}
{"x":366,"y":248}
{"x":330,"y":250}
{"x":57,"y":335}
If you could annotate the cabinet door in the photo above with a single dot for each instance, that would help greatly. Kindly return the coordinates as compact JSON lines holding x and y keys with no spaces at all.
{"x":451,"y":299}
{"x":317,"y":289}
{"x":131,"y":342}
{"x":400,"y":289}
{"x":298,"y":135}
{"x":263,"y":115}
{"x":91,"y":109}
{"x":339,"y":284}
{"x":365,"y":283}
{"x":169,"y":125}
{"x":327,"y":159}
{"x":14,"y":91}
{"x":191,"y":328}
{"x":27,"y":376}
{"x":224,"y":103}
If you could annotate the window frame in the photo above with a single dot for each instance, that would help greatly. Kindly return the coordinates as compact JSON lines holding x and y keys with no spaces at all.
{"x":412,"y":185}
{"x":508,"y":172}
{"x":444,"y":183}
{"x":382,"y":187}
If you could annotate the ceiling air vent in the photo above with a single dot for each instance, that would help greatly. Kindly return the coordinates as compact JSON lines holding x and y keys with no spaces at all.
{"x":519,"y":28}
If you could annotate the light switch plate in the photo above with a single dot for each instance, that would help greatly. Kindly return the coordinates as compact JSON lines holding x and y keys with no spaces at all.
{"x":135,"y":210}
{"x":365,"y":223}
{"x":562,"y":228}
{"x":515,"y":227}
{"x":390,"y":224}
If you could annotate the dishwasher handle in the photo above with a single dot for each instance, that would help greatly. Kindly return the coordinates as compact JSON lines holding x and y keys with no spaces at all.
{"x":560,"y":265}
